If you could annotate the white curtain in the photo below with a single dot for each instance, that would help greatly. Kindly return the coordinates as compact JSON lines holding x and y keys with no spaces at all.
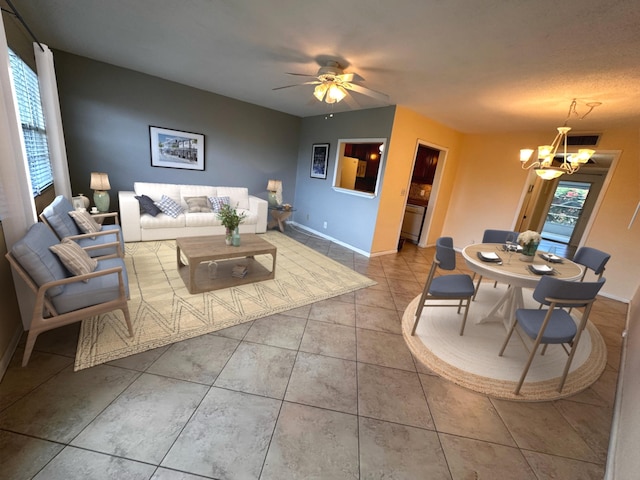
{"x":53,"y":120}
{"x":16,"y":200}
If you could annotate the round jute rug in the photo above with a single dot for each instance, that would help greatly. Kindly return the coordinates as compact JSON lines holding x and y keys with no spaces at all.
{"x":472,"y":360}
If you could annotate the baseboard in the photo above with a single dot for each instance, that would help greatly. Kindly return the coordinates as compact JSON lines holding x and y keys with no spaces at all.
{"x":11,"y":349}
{"x":327,"y":237}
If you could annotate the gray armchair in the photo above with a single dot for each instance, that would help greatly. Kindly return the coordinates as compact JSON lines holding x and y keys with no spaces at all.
{"x":105,"y":242}
{"x":63,"y":298}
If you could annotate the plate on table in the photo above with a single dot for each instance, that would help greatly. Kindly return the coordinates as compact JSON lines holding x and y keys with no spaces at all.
{"x":550,"y":257}
{"x":541,"y":269}
{"x":489,"y":257}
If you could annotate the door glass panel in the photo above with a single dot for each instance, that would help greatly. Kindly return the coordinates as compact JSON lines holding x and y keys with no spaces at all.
{"x":565,"y":210}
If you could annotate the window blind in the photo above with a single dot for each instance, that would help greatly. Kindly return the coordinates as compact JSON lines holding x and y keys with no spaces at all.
{"x":32,"y":121}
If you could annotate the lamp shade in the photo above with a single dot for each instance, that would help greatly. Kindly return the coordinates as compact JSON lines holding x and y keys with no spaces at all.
{"x":100,"y":181}
{"x":274,"y":187}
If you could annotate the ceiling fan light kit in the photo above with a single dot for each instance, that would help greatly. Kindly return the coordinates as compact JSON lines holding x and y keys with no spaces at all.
{"x":543,"y":164}
{"x":332,"y":84}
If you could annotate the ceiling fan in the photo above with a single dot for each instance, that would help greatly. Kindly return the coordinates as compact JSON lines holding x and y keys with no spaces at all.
{"x":332,"y":84}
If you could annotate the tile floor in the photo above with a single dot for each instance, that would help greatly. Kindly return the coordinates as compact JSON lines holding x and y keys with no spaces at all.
{"x":327,"y":391}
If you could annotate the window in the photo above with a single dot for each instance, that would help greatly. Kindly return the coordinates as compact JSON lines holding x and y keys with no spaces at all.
{"x":359,"y":166}
{"x":32,"y":120}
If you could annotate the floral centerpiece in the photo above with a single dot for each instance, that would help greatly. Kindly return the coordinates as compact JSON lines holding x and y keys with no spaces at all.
{"x":529,"y":241}
{"x":231,"y":219}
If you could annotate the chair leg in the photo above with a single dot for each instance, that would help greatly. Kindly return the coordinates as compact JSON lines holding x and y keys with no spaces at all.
{"x":28,"y":347}
{"x":506,"y":340}
{"x":477,"y":287}
{"x":464,"y":319}
{"x":127,"y":318}
{"x":419,"y":311}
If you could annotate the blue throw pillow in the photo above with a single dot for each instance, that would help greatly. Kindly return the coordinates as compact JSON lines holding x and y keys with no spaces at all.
{"x":169,"y":206}
{"x":218,"y":202}
{"x":147,"y":205}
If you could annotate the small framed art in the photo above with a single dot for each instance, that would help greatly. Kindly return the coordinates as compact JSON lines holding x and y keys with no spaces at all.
{"x":176,"y":149}
{"x":319,"y":160}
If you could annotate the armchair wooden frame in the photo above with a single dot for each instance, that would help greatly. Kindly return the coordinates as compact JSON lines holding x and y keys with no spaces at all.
{"x":45,"y":317}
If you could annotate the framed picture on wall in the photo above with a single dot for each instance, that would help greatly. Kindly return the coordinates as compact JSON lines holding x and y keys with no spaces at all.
{"x":319,"y":160}
{"x":176,"y":149}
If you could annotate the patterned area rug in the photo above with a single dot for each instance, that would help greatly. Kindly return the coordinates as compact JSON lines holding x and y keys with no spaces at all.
{"x":472,"y":360}
{"x":163,"y":311}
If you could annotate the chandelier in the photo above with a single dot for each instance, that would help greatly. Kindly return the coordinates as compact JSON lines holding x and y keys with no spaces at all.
{"x":543,"y":163}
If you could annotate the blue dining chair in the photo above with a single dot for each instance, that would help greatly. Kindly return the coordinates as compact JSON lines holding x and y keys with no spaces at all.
{"x":555,"y":325}
{"x":495,"y":236}
{"x":592,"y":259}
{"x":445,"y":287}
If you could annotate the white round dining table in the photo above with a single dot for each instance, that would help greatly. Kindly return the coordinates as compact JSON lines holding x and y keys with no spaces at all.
{"x":509,"y":269}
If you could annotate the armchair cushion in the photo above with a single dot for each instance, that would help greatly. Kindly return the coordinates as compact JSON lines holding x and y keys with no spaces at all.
{"x":99,"y":290}
{"x":57,"y":215}
{"x":74,"y":257}
{"x":85,"y":221}
{"x":32,"y":252}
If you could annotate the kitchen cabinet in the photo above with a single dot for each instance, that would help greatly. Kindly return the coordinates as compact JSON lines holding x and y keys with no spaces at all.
{"x":425,"y":166}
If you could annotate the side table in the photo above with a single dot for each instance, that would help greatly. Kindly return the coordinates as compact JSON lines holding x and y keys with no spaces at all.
{"x":278,"y":216}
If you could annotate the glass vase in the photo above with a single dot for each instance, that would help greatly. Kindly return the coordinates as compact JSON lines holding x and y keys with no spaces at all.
{"x":228,"y":239}
{"x":235,"y":239}
{"x":529,"y":251}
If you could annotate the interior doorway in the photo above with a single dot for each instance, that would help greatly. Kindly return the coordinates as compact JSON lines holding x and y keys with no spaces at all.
{"x":429,"y":160}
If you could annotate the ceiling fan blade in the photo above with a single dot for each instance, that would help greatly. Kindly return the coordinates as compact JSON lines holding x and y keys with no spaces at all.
{"x":316,"y":82}
{"x":350,"y":77}
{"x":366,"y":91}
{"x":301,"y":74}
{"x":351,"y":101}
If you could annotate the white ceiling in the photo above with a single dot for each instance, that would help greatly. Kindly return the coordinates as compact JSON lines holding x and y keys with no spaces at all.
{"x":476,"y":66}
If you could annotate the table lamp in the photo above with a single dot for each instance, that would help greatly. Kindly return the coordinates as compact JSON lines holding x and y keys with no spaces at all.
{"x":100,"y":185}
{"x":274,"y":187}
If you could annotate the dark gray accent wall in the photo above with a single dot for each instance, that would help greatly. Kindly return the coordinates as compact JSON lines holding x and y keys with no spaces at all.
{"x":107,"y":111}
{"x":350,"y":219}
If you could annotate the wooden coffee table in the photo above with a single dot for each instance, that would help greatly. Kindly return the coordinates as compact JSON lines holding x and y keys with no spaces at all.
{"x":193,"y":255}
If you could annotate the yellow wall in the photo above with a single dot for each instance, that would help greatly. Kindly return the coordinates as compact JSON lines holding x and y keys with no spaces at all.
{"x":483,"y":186}
{"x":489,"y":184}
{"x":408,"y":128}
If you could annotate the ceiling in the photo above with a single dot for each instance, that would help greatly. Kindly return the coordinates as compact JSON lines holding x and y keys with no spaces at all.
{"x":478,"y":67}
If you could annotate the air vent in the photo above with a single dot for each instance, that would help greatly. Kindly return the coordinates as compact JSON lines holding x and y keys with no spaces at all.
{"x":582,"y":140}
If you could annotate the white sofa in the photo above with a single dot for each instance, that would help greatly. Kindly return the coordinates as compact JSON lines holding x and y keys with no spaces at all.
{"x":137,"y":226}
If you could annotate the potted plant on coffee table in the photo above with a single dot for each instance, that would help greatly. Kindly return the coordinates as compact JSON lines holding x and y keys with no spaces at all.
{"x":231,"y":219}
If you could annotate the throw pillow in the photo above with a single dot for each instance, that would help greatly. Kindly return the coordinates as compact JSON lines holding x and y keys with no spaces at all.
{"x":198,"y":204}
{"x":147,"y":205}
{"x":74,"y":258}
{"x":85,"y":221}
{"x":218,"y":202}
{"x":169,"y":206}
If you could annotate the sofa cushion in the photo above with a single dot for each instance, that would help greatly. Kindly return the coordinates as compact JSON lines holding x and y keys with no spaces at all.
{"x":202,"y":220}
{"x":218,"y":202}
{"x":147,"y":205}
{"x":156,"y":190}
{"x":169,"y":206}
{"x":74,"y":258}
{"x":198,"y":204}
{"x":57,"y":215}
{"x":33,"y":254}
{"x":85,"y":221}
{"x":239,"y":196}
{"x":165,"y":221}
{"x":196,"y":191}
